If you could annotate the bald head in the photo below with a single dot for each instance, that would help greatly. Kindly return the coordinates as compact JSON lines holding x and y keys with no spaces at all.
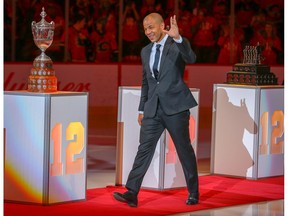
{"x":153,"y":27}
{"x":157,"y":18}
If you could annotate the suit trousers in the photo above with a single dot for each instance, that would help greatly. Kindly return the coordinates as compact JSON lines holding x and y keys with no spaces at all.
{"x":151,"y":130}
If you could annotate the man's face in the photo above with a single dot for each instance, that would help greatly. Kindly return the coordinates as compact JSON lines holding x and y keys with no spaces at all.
{"x":153,"y":29}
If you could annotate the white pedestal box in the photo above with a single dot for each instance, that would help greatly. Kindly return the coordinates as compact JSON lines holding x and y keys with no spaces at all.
{"x":45,"y":146}
{"x":165,"y":170}
{"x":248,"y":131}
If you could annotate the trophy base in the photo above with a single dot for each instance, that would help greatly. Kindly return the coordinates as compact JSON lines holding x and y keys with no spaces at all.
{"x":42,"y":84}
{"x":247,"y":78}
{"x":251,"y":74}
{"x":42,"y":77}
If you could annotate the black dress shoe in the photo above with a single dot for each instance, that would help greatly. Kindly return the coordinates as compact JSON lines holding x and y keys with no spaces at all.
{"x":192,"y":199}
{"x":128,"y":197}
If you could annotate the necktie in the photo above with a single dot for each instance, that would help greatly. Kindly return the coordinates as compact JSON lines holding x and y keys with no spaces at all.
{"x":156,"y":61}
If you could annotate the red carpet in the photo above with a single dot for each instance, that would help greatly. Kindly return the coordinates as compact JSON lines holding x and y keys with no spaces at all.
{"x":215,"y":192}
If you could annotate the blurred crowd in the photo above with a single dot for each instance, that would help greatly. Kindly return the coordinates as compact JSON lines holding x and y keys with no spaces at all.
{"x":97,"y":34}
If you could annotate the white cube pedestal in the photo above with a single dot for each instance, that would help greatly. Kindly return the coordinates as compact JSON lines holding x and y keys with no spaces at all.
{"x":165,"y":171}
{"x":45,"y":146}
{"x":248,"y":131}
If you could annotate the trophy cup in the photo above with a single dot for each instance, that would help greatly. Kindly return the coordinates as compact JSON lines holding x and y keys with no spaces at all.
{"x":42,"y":76}
{"x":251,"y":71}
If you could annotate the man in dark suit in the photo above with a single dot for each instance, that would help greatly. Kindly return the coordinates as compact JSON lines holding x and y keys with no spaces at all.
{"x":164,"y":104}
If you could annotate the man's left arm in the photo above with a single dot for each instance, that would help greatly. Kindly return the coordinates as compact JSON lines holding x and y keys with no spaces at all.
{"x":182,"y":43}
{"x":185,"y":49}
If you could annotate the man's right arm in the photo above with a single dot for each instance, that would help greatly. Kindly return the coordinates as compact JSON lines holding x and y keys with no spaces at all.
{"x":144,"y":93}
{"x":144,"y":87}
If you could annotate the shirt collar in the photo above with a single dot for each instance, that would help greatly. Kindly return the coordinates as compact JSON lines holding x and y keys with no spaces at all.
{"x":162,"y":42}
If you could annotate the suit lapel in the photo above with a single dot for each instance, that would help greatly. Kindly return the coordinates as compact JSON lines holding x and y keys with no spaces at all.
{"x":165,"y":51}
{"x":147,"y":58}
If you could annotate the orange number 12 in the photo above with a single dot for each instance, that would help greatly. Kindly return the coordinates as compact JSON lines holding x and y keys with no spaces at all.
{"x":277,"y":123}
{"x":74,"y":129}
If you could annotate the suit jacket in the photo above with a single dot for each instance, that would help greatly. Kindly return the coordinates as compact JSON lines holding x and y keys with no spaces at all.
{"x":169,"y":90}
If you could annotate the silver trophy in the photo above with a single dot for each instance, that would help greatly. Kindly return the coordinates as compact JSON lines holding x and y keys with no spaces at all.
{"x":43,"y":33}
{"x":42,"y":77}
